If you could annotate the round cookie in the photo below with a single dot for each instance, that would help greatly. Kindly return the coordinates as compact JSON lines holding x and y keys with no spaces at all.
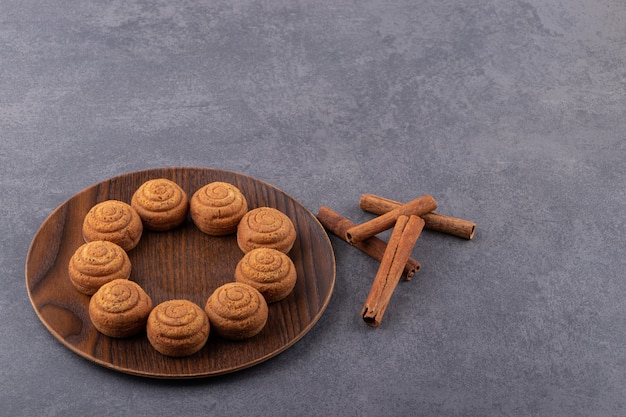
{"x":162,"y":204}
{"x":266,"y":227}
{"x":217,"y":208}
{"x":95,"y":263}
{"x":268,"y":270}
{"x":178,"y":328}
{"x":115,"y":221}
{"x":120,"y":308}
{"x":237,"y":311}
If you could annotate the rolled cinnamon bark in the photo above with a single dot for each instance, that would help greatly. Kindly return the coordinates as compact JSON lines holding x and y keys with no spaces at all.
{"x":403,"y":237}
{"x":434,"y":221}
{"x":417,"y":207}
{"x":374,"y":247}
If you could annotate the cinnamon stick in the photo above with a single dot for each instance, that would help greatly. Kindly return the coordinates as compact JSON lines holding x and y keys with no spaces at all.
{"x":403,"y":237}
{"x":374,"y":247}
{"x":434,"y":221}
{"x":418,"y":207}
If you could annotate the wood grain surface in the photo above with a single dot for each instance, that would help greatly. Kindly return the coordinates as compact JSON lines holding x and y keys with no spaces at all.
{"x":182,"y":263}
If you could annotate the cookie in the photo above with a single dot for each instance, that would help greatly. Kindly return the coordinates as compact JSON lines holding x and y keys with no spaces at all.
{"x":217,"y":208}
{"x":95,"y":263}
{"x":266,"y":227}
{"x":178,"y":328}
{"x":237,"y":311}
{"x":268,"y":270}
{"x":161,"y":203}
{"x":120,"y":308}
{"x":114,"y":221}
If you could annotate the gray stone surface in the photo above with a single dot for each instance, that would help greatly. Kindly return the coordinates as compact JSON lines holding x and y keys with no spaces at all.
{"x":510,"y":113}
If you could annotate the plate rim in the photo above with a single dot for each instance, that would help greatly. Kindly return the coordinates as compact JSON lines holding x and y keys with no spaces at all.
{"x":177,"y":169}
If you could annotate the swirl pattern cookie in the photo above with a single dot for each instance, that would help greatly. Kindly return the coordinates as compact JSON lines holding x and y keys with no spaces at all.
{"x":217,"y":208}
{"x":266,"y":227}
{"x":115,"y":221}
{"x":162,"y":204}
{"x":95,"y":263}
{"x":120,"y":308}
{"x":178,"y":328}
{"x":268,"y":270}
{"x":237,"y":311}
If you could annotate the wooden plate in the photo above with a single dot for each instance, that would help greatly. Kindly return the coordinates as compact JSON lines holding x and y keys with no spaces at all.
{"x":183,"y":263}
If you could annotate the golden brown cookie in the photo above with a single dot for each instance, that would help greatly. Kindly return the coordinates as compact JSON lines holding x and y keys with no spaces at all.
{"x":162,"y":204}
{"x":237,"y":311}
{"x":217,"y":208}
{"x":120,"y":308}
{"x":268,"y":270}
{"x":115,"y":221}
{"x":266,"y":227}
{"x":178,"y":328}
{"x":96,"y":263}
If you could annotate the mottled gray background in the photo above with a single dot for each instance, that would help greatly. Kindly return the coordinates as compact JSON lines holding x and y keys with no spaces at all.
{"x":510,"y":113}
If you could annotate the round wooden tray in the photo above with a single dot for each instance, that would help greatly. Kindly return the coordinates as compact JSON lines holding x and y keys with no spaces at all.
{"x":182,"y":263}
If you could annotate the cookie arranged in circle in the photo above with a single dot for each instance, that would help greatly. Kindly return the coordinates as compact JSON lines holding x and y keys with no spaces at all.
{"x":266,"y":227}
{"x":217,"y":208}
{"x":95,"y":263}
{"x":268,"y":270}
{"x":120,"y":308}
{"x":115,"y":221}
{"x":178,"y":328}
{"x":237,"y":311}
{"x":161,"y":203}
